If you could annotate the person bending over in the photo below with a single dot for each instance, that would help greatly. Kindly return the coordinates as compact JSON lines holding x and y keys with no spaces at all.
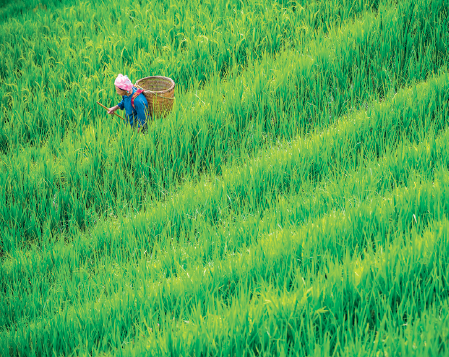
{"x":133,"y":101}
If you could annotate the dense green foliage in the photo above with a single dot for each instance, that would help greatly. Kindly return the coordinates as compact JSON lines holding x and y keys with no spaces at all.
{"x":295,"y":201}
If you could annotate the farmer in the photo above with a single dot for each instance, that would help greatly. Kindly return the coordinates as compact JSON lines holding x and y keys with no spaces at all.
{"x":133,"y":101}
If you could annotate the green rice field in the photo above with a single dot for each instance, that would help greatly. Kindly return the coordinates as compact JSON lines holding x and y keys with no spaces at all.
{"x":295,"y":201}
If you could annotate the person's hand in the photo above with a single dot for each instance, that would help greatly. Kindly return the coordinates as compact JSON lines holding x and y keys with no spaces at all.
{"x":112,"y":110}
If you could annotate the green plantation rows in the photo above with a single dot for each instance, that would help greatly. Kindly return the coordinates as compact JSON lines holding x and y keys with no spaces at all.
{"x":35,"y":128}
{"x":292,"y":263}
{"x":295,"y":202}
{"x":94,"y":173}
{"x":321,"y":312}
{"x":401,"y":167}
{"x":109,"y":276}
{"x":187,"y":260}
{"x":90,"y":93}
{"x":277,"y":172}
{"x":190,"y":42}
{"x":299,"y":305}
{"x":274,"y":178}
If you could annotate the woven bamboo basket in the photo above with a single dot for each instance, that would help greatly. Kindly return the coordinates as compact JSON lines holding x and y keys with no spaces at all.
{"x":160,"y":94}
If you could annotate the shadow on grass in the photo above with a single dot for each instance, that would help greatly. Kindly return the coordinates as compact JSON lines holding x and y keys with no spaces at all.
{"x":16,"y":8}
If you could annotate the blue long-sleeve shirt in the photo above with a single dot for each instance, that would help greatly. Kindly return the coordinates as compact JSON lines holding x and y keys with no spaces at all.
{"x":141,"y":108}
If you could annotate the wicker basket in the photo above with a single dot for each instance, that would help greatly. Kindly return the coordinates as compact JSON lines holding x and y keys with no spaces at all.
{"x":159,"y":92}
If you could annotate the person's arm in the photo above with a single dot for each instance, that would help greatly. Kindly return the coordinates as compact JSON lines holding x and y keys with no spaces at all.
{"x":120,"y":105}
{"x":113,"y":109}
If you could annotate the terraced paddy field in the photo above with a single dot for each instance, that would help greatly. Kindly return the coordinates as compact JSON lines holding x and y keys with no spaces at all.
{"x":294,"y":203}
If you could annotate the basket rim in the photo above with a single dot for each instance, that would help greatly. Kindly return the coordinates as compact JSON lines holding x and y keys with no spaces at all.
{"x":172,"y":84}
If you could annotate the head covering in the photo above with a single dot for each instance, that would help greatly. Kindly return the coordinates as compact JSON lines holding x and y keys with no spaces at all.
{"x":123,"y":82}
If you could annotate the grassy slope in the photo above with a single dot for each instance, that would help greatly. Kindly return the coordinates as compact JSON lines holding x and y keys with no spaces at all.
{"x":94,"y":172}
{"x":254,"y":253}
